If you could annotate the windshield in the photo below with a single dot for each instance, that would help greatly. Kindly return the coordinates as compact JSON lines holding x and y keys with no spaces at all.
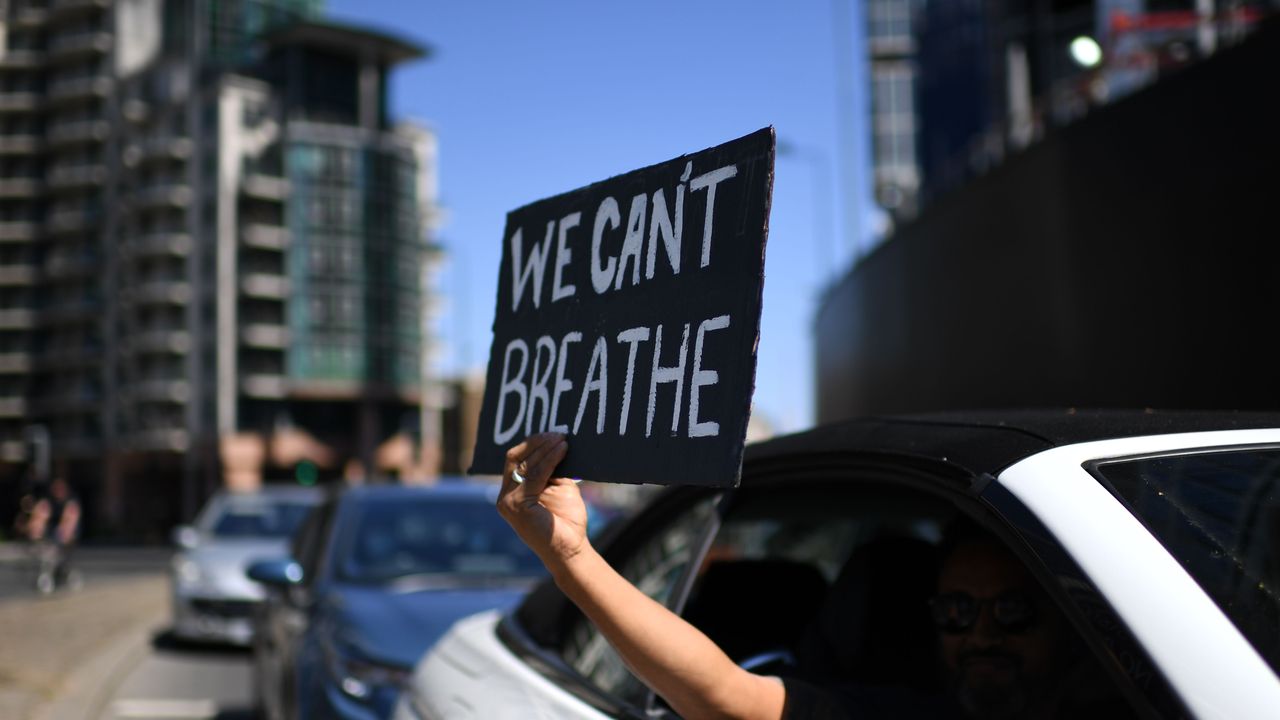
{"x":448,"y":538}
{"x":1219,"y":514}
{"x":248,"y":517}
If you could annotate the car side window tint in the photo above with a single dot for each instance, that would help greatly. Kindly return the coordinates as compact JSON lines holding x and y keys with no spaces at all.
{"x":1218,"y":514}
{"x":655,"y":567}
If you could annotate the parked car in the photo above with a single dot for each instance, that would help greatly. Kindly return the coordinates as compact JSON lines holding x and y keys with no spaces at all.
{"x":376,"y":575}
{"x":212,"y":599}
{"x":1156,"y":535}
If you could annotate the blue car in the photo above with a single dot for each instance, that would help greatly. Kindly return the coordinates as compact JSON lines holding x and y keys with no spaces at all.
{"x":377,"y":574}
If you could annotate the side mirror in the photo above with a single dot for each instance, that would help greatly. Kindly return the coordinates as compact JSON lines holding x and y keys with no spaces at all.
{"x":279,"y":573}
{"x":186,"y":537}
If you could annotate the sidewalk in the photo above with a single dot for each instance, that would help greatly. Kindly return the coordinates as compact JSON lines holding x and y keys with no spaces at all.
{"x":59,"y":652}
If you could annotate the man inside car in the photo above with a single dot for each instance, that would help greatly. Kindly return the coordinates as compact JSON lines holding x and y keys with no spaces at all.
{"x":1003,"y":647}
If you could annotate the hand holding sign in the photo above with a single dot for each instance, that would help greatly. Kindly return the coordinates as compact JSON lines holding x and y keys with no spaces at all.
{"x":546,"y":512}
{"x":635,"y":336}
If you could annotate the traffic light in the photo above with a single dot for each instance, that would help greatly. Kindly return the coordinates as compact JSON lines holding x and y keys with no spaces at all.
{"x":306,"y":473}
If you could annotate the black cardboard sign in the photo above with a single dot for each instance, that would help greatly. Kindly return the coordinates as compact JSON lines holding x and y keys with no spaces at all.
{"x":628,"y":318}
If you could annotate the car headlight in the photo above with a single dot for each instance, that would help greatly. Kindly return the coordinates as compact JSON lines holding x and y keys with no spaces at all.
{"x":186,"y":571}
{"x":357,"y":677}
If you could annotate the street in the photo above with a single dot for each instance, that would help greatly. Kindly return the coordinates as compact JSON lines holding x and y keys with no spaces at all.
{"x":103,"y":652}
{"x":184,"y":682}
{"x":97,"y":565}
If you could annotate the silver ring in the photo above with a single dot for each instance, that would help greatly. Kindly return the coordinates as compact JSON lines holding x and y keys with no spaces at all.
{"x":517,"y":477}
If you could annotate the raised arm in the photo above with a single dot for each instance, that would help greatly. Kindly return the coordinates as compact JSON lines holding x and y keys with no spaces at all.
{"x":671,"y":656}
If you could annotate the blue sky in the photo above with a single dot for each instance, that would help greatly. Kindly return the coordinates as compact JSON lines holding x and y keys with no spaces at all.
{"x":533,"y":99}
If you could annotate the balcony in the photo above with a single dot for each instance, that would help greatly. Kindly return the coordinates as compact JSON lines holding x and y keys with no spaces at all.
{"x":17,"y":275}
{"x":65,"y":267}
{"x":166,"y":194}
{"x":264,"y":236}
{"x":19,"y":102}
{"x":265,"y":386}
{"x":162,"y":292}
{"x":67,"y":222}
{"x":135,"y":111}
{"x":20,"y":144}
{"x":264,"y":335}
{"x":17,"y":319}
{"x":78,"y":46}
{"x":90,"y":87}
{"x":20,"y":187}
{"x":169,"y":342}
{"x":22,"y":60}
{"x":261,"y":285}
{"x":15,"y":363}
{"x":161,"y":440}
{"x":63,"y":9}
{"x":76,"y":132}
{"x":75,"y":177}
{"x":19,"y":231}
{"x":165,"y":148}
{"x":169,"y":390}
{"x":30,"y":17}
{"x":14,"y":451}
{"x":173,"y":244}
{"x":265,"y":187}
{"x":13,"y":407}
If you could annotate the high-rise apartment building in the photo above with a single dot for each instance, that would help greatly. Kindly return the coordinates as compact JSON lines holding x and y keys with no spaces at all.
{"x":214,"y":244}
{"x":894,"y":71}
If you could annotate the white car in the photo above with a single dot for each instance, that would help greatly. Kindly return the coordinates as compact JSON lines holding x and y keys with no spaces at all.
{"x":213,"y":600}
{"x":1157,"y":537}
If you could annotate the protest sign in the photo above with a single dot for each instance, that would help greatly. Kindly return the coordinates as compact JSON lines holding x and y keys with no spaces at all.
{"x":628,"y":317}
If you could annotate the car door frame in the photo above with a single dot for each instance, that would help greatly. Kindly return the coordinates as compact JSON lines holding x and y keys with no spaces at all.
{"x":1123,"y":560}
{"x":309,"y":550}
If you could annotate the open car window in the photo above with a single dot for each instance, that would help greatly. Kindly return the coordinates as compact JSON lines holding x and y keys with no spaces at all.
{"x":656,"y":566}
{"x":819,"y":576}
{"x":781,"y":555}
{"x":836,"y":583}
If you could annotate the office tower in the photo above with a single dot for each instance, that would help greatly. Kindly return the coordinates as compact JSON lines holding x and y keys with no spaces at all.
{"x":214,"y":244}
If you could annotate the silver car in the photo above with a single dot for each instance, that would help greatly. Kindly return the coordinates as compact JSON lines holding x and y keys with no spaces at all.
{"x":213,"y":600}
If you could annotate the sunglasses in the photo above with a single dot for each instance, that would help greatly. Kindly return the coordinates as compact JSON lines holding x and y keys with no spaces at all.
{"x":955,"y":613}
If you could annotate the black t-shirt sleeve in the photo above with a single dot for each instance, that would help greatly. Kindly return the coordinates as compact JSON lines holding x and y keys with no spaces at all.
{"x":805,"y":701}
{"x":808,"y":702}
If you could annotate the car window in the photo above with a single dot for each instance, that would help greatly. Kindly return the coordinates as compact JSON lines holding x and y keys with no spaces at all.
{"x":860,"y":564}
{"x":656,"y":567}
{"x":251,"y":517}
{"x":397,"y":538}
{"x":802,"y":538}
{"x":1219,"y":514}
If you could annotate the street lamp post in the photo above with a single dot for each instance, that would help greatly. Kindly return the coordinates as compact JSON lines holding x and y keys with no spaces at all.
{"x":826,"y":248}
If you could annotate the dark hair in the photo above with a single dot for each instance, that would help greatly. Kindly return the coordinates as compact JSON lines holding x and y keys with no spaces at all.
{"x":963,"y":530}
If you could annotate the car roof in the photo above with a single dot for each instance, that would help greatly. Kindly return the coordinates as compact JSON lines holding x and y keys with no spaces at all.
{"x":274,"y":492}
{"x":447,"y":487}
{"x":989,"y":441}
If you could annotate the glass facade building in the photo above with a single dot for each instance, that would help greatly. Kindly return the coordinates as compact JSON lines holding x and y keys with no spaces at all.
{"x":214,"y":249}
